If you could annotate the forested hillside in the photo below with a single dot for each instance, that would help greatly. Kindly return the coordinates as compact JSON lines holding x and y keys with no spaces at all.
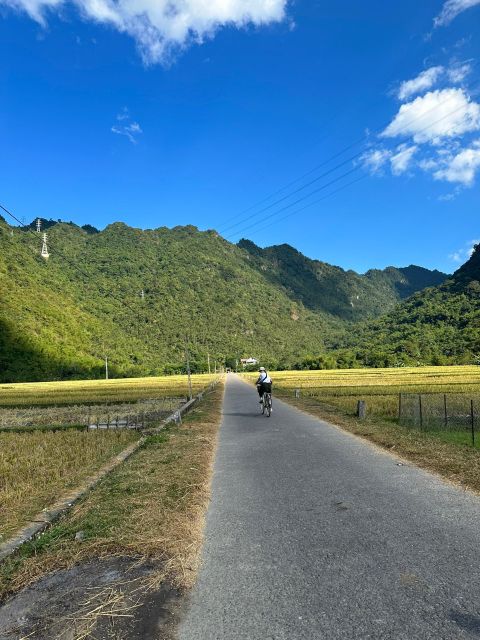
{"x":60,"y":317}
{"x":439,"y":325}
{"x":349,"y":295}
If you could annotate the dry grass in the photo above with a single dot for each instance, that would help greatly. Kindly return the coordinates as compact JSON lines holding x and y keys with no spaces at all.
{"x":99,"y":391}
{"x":152,"y":506}
{"x":37,"y":468}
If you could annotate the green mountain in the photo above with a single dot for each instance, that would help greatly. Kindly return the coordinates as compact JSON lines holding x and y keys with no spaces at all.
{"x":439,"y":325}
{"x":346,"y":294}
{"x":60,"y":317}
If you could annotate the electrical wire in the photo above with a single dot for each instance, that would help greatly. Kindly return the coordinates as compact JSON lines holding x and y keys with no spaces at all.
{"x":326,"y":162}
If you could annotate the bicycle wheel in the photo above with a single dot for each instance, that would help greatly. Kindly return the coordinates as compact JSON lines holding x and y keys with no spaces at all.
{"x":263,"y":405}
{"x":268,"y":404}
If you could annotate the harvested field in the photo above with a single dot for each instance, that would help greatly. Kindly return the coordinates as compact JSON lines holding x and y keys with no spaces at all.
{"x":142,"y":530}
{"x":38,"y":468}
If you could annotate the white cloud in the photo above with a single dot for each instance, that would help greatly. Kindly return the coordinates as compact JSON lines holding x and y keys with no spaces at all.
{"x":402,"y":159}
{"x":126,"y":126}
{"x":161,"y":27}
{"x":375,"y":159}
{"x":422,"y":82}
{"x":461,"y":167}
{"x":437,"y":115}
{"x":457,"y":73}
{"x":451,"y":9}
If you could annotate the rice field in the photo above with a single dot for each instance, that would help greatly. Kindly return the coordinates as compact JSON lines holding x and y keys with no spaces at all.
{"x":78,"y":392}
{"x":380,"y":388}
{"x":38,"y":466}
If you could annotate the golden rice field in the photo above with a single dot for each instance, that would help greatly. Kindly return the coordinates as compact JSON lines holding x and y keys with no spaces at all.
{"x":37,"y":468}
{"x":99,"y":391}
{"x":380,"y":388}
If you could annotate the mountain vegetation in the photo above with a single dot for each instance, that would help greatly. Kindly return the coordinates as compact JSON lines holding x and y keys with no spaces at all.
{"x":143,"y":298}
{"x":345,"y":294}
{"x":440,"y":325}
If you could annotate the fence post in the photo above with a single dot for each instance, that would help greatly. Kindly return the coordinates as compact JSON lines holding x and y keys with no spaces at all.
{"x":473,"y":422}
{"x":297,"y":393}
{"x":445,"y":409}
{"x":399,"y":407}
{"x":361,"y":409}
{"x":420,"y":409}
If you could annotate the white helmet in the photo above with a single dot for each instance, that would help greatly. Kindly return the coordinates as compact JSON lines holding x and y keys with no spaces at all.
{"x":262,"y":369}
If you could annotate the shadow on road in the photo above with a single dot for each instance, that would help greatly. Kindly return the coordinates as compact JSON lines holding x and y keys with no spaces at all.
{"x":466,"y":621}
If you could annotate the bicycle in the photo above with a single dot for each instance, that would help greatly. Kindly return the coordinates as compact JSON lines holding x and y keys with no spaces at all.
{"x":267,"y":404}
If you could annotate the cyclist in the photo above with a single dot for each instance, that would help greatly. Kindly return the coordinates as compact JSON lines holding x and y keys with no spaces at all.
{"x":264,"y":383}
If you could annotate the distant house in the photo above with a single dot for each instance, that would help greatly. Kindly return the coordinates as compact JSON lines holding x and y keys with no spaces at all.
{"x":247,"y":362}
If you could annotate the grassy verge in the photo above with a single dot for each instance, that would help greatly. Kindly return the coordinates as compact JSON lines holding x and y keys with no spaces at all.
{"x":442,"y":453}
{"x":152,"y":506}
{"x":39,"y":467}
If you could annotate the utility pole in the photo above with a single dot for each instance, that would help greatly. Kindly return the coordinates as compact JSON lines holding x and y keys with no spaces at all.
{"x":106,"y":367}
{"x":208,"y":358}
{"x":189,"y":373}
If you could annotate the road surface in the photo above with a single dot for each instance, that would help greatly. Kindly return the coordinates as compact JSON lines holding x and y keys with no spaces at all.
{"x":313,"y":533}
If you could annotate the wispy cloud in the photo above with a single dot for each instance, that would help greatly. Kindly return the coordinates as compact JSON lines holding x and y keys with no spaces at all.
{"x":402,"y":158}
{"x":375,"y":160}
{"x":162,"y":27}
{"x":451,"y":9}
{"x":127,"y":127}
{"x":463,"y":254}
{"x":425,"y":80}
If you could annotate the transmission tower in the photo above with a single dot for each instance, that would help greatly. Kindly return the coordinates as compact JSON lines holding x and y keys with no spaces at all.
{"x":39,"y":225}
{"x":45,"y":253}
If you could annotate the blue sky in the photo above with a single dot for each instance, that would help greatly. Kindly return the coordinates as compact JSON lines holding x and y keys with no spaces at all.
{"x":195,"y":115}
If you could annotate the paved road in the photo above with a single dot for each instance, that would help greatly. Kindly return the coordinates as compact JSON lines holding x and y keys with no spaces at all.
{"x":312,"y":533}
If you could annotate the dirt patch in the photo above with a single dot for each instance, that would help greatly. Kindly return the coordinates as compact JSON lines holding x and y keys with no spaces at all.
{"x":110,"y":599}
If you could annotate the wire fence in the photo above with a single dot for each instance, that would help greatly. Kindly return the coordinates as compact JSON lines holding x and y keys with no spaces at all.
{"x":135,"y":415}
{"x":440,"y":412}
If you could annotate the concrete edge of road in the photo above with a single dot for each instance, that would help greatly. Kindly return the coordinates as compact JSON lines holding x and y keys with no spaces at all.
{"x":48,"y":516}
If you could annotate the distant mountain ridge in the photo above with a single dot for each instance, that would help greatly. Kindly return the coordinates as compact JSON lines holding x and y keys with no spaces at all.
{"x":347,"y":294}
{"x":59,"y":317}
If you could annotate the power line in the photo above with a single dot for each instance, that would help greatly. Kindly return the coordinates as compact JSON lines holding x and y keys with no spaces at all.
{"x":370,"y":104}
{"x":311,"y":204}
{"x":350,"y":159}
